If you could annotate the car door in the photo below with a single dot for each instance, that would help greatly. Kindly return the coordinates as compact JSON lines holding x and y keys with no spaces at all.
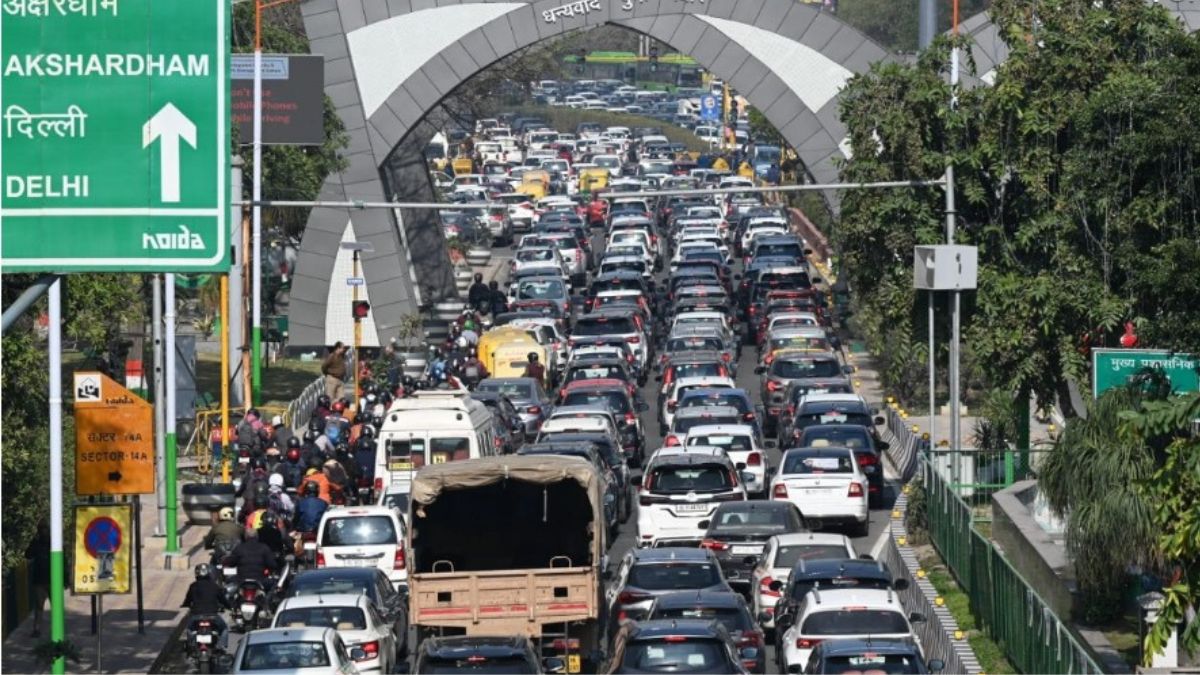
{"x":386,"y":633}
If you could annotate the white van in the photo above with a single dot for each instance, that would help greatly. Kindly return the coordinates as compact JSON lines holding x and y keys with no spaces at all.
{"x":364,"y":536}
{"x":431,"y":427}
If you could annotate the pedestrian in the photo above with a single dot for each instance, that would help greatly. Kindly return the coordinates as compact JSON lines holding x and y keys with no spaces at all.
{"x":38,"y":556}
{"x":478,"y":295}
{"x":334,"y":370}
{"x":773,"y":174}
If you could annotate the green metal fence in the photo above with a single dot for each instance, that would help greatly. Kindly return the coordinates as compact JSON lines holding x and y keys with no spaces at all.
{"x":1007,"y":607}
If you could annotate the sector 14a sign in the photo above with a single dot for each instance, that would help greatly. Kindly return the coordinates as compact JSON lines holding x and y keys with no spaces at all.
{"x":114,"y":438}
{"x":115,"y":135}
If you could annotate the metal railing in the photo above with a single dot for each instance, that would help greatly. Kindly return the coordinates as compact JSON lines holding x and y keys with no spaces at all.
{"x":1034,"y":639}
{"x":301,"y":407}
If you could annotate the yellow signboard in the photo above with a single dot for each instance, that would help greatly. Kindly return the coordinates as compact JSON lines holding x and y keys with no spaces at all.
{"x":103,"y":548}
{"x":114,"y":438}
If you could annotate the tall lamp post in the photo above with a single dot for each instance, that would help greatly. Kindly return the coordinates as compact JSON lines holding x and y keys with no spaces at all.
{"x":359,"y":309}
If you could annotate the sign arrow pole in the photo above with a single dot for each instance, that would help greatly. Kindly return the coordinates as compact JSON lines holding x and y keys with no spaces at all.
{"x":168,"y":125}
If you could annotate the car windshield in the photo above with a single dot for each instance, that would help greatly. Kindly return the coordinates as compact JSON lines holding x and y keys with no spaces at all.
{"x":318,"y":584}
{"x":806,"y":463}
{"x":284,"y":656}
{"x":676,"y":655}
{"x":359,"y":531}
{"x":690,"y":478}
{"x":855,"y":622}
{"x":871,"y":662}
{"x":730,"y":442}
{"x":805,"y":368}
{"x":674,"y":576}
{"x":787,"y":556}
{"x":616,"y":401}
{"x":846,"y":437}
{"x":615,"y":325}
{"x":322,"y":616}
{"x":732,"y":618}
{"x":541,"y":289}
{"x":476,"y":664}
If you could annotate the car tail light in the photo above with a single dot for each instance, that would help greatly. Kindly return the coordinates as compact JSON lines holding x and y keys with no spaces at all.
{"x":627,"y":597}
{"x":779,"y":492}
{"x":671,"y":441}
{"x":559,"y":644}
{"x":714,"y":545}
{"x":772,"y":385}
{"x":764,"y":588}
{"x":806,"y":643}
{"x":855,"y":490}
{"x":248,"y":594}
{"x":378,"y":484}
{"x":320,"y":559}
{"x":370,"y":650}
{"x":751,"y":638}
{"x":791,"y":410}
{"x":534,"y":410}
{"x":726,"y":357}
{"x":634,"y":340}
{"x":630,"y":418}
{"x":754,"y":459}
{"x":399,"y":562}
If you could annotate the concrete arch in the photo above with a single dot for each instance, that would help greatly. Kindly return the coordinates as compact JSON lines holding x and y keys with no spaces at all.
{"x":389,"y":63}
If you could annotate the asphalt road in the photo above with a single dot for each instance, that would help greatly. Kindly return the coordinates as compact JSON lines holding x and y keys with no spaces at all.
{"x":746,"y":379}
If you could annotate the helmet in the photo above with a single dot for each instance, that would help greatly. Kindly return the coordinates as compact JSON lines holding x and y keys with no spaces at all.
{"x":339,"y":406}
{"x":469,"y":324}
{"x":293,"y":442}
{"x":316,"y":425}
{"x":533,"y":357}
{"x":372,"y":398}
{"x":461,"y":342}
{"x":310,"y":435}
{"x":323,"y":401}
{"x":203,"y":571}
{"x":293,"y":454}
{"x":226,"y":513}
{"x":368,"y":430}
{"x":408,"y":381}
{"x":275,"y":480}
{"x":257,"y":463}
{"x":311,"y":489}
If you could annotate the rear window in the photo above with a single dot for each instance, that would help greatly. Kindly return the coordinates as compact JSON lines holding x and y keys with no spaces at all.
{"x":693,"y":344}
{"x":616,"y":325}
{"x":847,"y":437}
{"x":805,"y":368}
{"x":541,"y":290}
{"x":803,"y":463}
{"x":699,"y":370}
{"x":337,"y":618}
{"x":732,"y":618}
{"x":615,"y":401}
{"x":738,"y":520}
{"x":477,"y":664}
{"x":679,"y":576}
{"x":510,"y":389}
{"x":676,"y":655}
{"x":800,"y":342}
{"x":892,"y":664}
{"x":729,"y":442}
{"x":801,"y":588}
{"x":284,"y":656}
{"x":684,"y":424}
{"x":788,"y":556}
{"x":595,"y":372}
{"x":732,"y":400}
{"x":359,"y":531}
{"x":690,"y":478}
{"x":855,"y":622}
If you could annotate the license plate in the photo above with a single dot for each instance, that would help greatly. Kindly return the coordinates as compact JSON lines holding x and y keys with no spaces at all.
{"x":308,"y":546}
{"x":243,"y":460}
{"x":357,"y":562}
{"x":400,"y":466}
{"x":691,"y":508}
{"x":229,"y":571}
{"x":204,"y":639}
{"x":747,"y":550}
{"x":248,"y":610}
{"x":574,"y":663}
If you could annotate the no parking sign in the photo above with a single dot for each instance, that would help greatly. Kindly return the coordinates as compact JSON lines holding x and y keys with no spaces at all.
{"x":103,"y":544}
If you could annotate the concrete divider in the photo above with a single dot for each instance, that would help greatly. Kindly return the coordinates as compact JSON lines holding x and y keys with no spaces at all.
{"x":815,"y":239}
{"x":905,"y":446}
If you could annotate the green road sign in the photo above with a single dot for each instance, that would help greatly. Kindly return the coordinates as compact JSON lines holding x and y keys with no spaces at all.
{"x":115,"y":135}
{"x":1113,"y":368}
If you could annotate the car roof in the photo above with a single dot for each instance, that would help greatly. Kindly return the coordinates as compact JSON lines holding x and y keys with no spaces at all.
{"x":666,"y":555}
{"x":839,"y":598}
{"x":707,"y":411}
{"x":271,"y":635}
{"x":599,"y":383}
{"x":731,"y":429}
{"x":698,"y":597}
{"x":715,"y":391}
{"x":321,"y":599}
{"x":851,"y":646}
{"x":754,"y":505}
{"x":680,"y":455}
{"x":649,"y":630}
{"x":834,"y":567}
{"x":834,"y":398}
{"x":587,"y":408}
{"x":700,"y":380}
{"x":814,"y":538}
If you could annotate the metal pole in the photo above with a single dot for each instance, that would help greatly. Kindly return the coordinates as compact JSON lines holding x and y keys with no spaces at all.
{"x":224,"y":381}
{"x":926,"y":22}
{"x":256,"y":191}
{"x":99,"y":631}
{"x":243,"y":388}
{"x":137,"y":555}
{"x":160,"y":442}
{"x":58,"y":623}
{"x":932,"y":377}
{"x":26,"y":300}
{"x":172,"y":466}
{"x":955,"y":315}
{"x":237,"y":308}
{"x":357,"y":335}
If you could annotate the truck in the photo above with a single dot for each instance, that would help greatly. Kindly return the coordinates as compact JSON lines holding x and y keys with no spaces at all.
{"x":511,"y":545}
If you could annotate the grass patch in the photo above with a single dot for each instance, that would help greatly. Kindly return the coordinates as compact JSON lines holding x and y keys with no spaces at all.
{"x":281,"y":382}
{"x":1122,"y":633}
{"x":990,"y":654}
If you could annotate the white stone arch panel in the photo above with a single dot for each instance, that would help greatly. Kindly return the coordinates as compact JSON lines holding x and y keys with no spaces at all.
{"x":339,"y":324}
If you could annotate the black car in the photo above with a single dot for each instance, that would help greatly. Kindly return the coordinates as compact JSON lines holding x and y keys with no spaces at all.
{"x":728,"y":608}
{"x":646,"y":573}
{"x":886,"y":655}
{"x":464,"y":654}
{"x":827,"y":574}
{"x":611,"y":453}
{"x":507,"y":417}
{"x":862,"y":441}
{"x":370,"y":581}
{"x":738,"y":531}
{"x":675,"y":646}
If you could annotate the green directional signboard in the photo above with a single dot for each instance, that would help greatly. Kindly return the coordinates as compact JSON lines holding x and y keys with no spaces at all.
{"x":1113,"y":368}
{"x":115,"y":135}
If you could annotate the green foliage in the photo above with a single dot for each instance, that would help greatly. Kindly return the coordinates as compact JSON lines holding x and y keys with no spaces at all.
{"x":761,"y":127}
{"x":916,"y":516}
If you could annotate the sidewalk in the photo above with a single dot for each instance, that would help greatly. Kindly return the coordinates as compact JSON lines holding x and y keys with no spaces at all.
{"x":124,"y":649}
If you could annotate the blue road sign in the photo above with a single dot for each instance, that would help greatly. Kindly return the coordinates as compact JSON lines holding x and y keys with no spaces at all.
{"x":708,"y":108}
{"x":102,"y":535}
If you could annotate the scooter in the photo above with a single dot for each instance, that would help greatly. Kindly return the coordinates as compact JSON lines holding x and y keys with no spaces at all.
{"x":204,"y":646}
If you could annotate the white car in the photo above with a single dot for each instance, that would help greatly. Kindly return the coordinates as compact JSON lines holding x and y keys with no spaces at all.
{"x":792,"y":319}
{"x":375,"y":644}
{"x":539,"y":257}
{"x":826,"y":484}
{"x":844,"y":613}
{"x":364,"y":536}
{"x":679,"y":488}
{"x":297,"y":651}
{"x":780,"y":555}
{"x":676,"y":389}
{"x":741,"y":445}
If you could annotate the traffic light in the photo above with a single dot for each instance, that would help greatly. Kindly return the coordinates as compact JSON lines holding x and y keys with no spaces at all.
{"x":653,"y":59}
{"x":359,"y":309}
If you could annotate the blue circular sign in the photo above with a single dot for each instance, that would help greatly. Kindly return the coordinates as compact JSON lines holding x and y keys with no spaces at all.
{"x":102,"y":535}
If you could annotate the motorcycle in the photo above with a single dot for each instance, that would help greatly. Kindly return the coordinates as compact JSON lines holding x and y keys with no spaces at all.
{"x":204,"y":645}
{"x":254,"y":601}
{"x":365,"y":492}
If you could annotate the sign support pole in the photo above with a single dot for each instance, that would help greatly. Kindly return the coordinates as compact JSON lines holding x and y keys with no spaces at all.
{"x":137,"y":560}
{"x":357,"y":337}
{"x":171,"y":469}
{"x":224,"y":380}
{"x":58,"y":623}
{"x":160,"y":479}
{"x":256,"y":261}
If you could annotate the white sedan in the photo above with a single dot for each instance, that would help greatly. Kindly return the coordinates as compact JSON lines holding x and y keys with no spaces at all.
{"x":826,"y":484}
{"x":371,"y":641}
{"x":297,"y":651}
{"x":780,"y":555}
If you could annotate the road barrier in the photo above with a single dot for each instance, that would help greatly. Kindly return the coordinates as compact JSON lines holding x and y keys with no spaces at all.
{"x":906,"y":445}
{"x":301,"y":408}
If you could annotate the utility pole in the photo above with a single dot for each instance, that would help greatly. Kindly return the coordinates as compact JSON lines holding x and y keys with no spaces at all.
{"x":160,"y":441}
{"x":236,"y":328}
{"x":926,"y":22}
{"x":58,"y":616}
{"x":951,"y":215}
{"x":172,"y":467}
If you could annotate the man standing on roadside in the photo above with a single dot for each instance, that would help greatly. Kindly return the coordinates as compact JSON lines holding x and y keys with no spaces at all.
{"x":334,"y":370}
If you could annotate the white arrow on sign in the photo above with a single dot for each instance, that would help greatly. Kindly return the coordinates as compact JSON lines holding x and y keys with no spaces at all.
{"x":168,"y":126}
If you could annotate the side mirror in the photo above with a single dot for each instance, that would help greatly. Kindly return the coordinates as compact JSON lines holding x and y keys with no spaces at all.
{"x":740,"y":466}
{"x":936,"y":665}
{"x":553,"y":664}
{"x":776,"y":585}
{"x":808,"y":251}
{"x":916,"y":617}
{"x":358,"y":654}
{"x":815,"y":280}
{"x":878,"y":420}
{"x":747,"y":477}
{"x":900,"y":584}
{"x":750,"y":560}
{"x":882,"y":445}
{"x":703,"y":525}
{"x":737,"y":277}
{"x":865,"y":556}
{"x":636,"y":481}
{"x":763,"y":617}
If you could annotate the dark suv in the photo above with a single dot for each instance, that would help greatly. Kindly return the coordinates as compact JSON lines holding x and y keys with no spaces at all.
{"x":482,"y":655}
{"x":666,"y":646}
{"x":728,"y":608}
{"x":738,"y":531}
{"x":791,"y":367}
{"x":886,"y":655}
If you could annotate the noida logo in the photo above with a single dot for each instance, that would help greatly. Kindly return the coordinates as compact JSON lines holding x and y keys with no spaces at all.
{"x":183,"y":240}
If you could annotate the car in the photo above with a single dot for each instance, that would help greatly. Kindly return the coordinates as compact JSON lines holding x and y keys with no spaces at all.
{"x":740,"y":443}
{"x":795,"y":395}
{"x":789,"y":367}
{"x":700,"y":338}
{"x":844,"y":613}
{"x":737,"y":398}
{"x":363,"y":536}
{"x":376,"y":643}
{"x":607,"y":368}
{"x":549,"y":288}
{"x":781,"y":553}
{"x":614,"y":395}
{"x":728,"y":608}
{"x":475,"y":654}
{"x":610,"y":451}
{"x":510,"y":429}
{"x":300,"y":651}
{"x":681,"y":487}
{"x":859,"y":439}
{"x":826,"y":484}
{"x":872,"y":654}
{"x":691,"y":364}
{"x":623,"y":326}
{"x":737,"y":532}
{"x":591,"y":454}
{"x":679,"y":387}
{"x":675,"y":646}
{"x":687,"y":418}
{"x":370,"y":582}
{"x":645,"y":574}
{"x":527,"y":396}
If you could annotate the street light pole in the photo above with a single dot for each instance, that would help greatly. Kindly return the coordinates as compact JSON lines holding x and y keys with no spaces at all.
{"x":951,"y":215}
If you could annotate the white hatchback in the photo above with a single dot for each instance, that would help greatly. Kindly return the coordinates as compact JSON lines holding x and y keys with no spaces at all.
{"x":844,"y":613}
{"x":826,"y":484}
{"x":364,"y":536}
{"x":372,"y":641}
{"x":741,"y":446}
{"x":681,"y":487}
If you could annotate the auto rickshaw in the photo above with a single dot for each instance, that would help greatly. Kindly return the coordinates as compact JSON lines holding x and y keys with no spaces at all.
{"x":463,"y":165}
{"x":504,"y":351}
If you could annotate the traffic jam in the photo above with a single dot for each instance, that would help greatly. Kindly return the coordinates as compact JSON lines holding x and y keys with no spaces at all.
{"x":647,"y":456}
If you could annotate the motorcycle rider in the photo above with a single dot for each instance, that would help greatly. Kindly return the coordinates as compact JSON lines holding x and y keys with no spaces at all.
{"x":291,"y":468}
{"x":224,"y":536}
{"x":255,"y":561}
{"x":316,"y":477}
{"x":309,"y":509}
{"x":278,"y":499}
{"x":207,"y":599}
{"x":324,"y":406}
{"x":534,"y":369}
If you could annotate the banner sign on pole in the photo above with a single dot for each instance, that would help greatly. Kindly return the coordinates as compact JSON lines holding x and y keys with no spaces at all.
{"x":293,"y":98}
{"x":103,"y":546}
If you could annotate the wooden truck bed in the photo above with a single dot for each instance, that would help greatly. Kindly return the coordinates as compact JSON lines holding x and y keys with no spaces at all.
{"x":507,"y":602}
